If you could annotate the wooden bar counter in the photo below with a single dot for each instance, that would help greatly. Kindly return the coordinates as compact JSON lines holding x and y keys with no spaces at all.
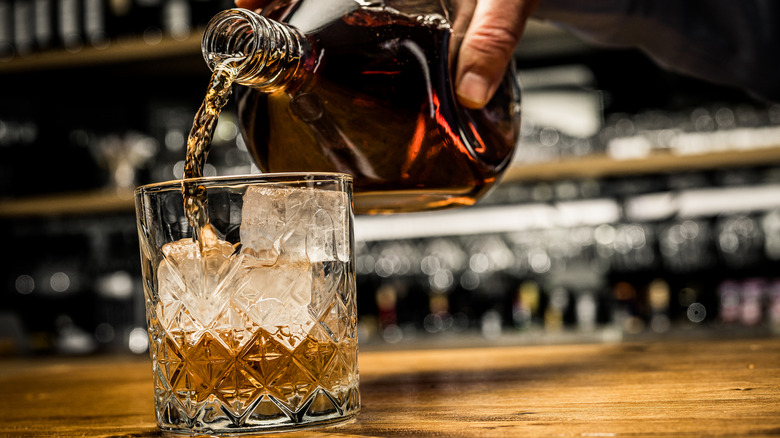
{"x":669,"y":389}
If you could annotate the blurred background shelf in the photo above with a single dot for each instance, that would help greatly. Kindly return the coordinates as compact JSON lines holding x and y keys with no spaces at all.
{"x":124,"y":50}
{"x":76,"y":203}
{"x":641,"y":204}
{"x":542,"y":40}
{"x":601,"y":166}
{"x":589,"y":167}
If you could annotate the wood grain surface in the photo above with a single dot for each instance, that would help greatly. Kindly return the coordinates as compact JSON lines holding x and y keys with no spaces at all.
{"x":667,"y":389}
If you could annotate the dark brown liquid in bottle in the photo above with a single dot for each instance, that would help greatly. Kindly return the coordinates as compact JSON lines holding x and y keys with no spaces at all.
{"x":380,"y":106}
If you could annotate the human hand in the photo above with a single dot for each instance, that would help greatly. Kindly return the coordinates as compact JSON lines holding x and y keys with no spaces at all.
{"x":486,"y":49}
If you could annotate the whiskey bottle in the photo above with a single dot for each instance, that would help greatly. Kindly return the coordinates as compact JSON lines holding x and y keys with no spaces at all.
{"x":365,"y":88}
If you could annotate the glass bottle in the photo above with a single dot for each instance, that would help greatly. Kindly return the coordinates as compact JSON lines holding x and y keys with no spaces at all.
{"x":366,"y":88}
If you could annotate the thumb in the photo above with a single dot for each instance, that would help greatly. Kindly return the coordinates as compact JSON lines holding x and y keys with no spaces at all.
{"x":487,"y":48}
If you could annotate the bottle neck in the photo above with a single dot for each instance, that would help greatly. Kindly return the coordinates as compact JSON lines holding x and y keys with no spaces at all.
{"x":263,"y":53}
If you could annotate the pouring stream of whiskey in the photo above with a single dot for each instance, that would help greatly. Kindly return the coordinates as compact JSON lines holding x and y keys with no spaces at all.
{"x":198,"y":145}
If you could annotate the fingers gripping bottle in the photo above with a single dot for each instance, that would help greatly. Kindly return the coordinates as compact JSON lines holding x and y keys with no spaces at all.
{"x":366,"y":88}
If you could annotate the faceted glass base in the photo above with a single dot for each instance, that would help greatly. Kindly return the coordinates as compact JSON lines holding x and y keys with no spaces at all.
{"x":257,"y":423}
{"x":212,"y":381}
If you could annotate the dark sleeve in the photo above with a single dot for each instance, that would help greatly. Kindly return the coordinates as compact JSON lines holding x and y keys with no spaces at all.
{"x":732,"y":42}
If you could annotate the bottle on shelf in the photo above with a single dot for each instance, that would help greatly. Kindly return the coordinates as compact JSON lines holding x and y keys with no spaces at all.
{"x":24,"y":25}
{"x":6,"y":30}
{"x":70,"y":25}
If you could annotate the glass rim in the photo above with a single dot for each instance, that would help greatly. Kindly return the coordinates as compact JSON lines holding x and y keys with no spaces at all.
{"x":268,"y":178}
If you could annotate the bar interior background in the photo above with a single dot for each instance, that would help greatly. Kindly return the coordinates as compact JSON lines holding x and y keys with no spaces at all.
{"x":640,"y":204}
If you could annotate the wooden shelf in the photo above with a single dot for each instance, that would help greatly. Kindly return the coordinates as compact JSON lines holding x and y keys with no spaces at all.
{"x":598,"y":166}
{"x":124,"y":50}
{"x":79,"y":203}
{"x":135,"y":49}
{"x":108,"y":201}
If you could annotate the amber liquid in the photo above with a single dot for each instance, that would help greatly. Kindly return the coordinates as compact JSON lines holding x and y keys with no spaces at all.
{"x":380,"y":106}
{"x":255,"y":379}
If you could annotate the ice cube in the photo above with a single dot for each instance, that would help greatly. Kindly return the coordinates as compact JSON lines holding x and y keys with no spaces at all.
{"x":284,"y":231}
{"x":327,"y":233}
{"x":199,"y":280}
{"x":276,"y":297}
{"x":296,"y":224}
{"x":263,"y":219}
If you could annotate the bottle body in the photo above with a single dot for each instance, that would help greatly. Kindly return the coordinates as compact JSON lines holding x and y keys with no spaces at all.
{"x":375,"y":99}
